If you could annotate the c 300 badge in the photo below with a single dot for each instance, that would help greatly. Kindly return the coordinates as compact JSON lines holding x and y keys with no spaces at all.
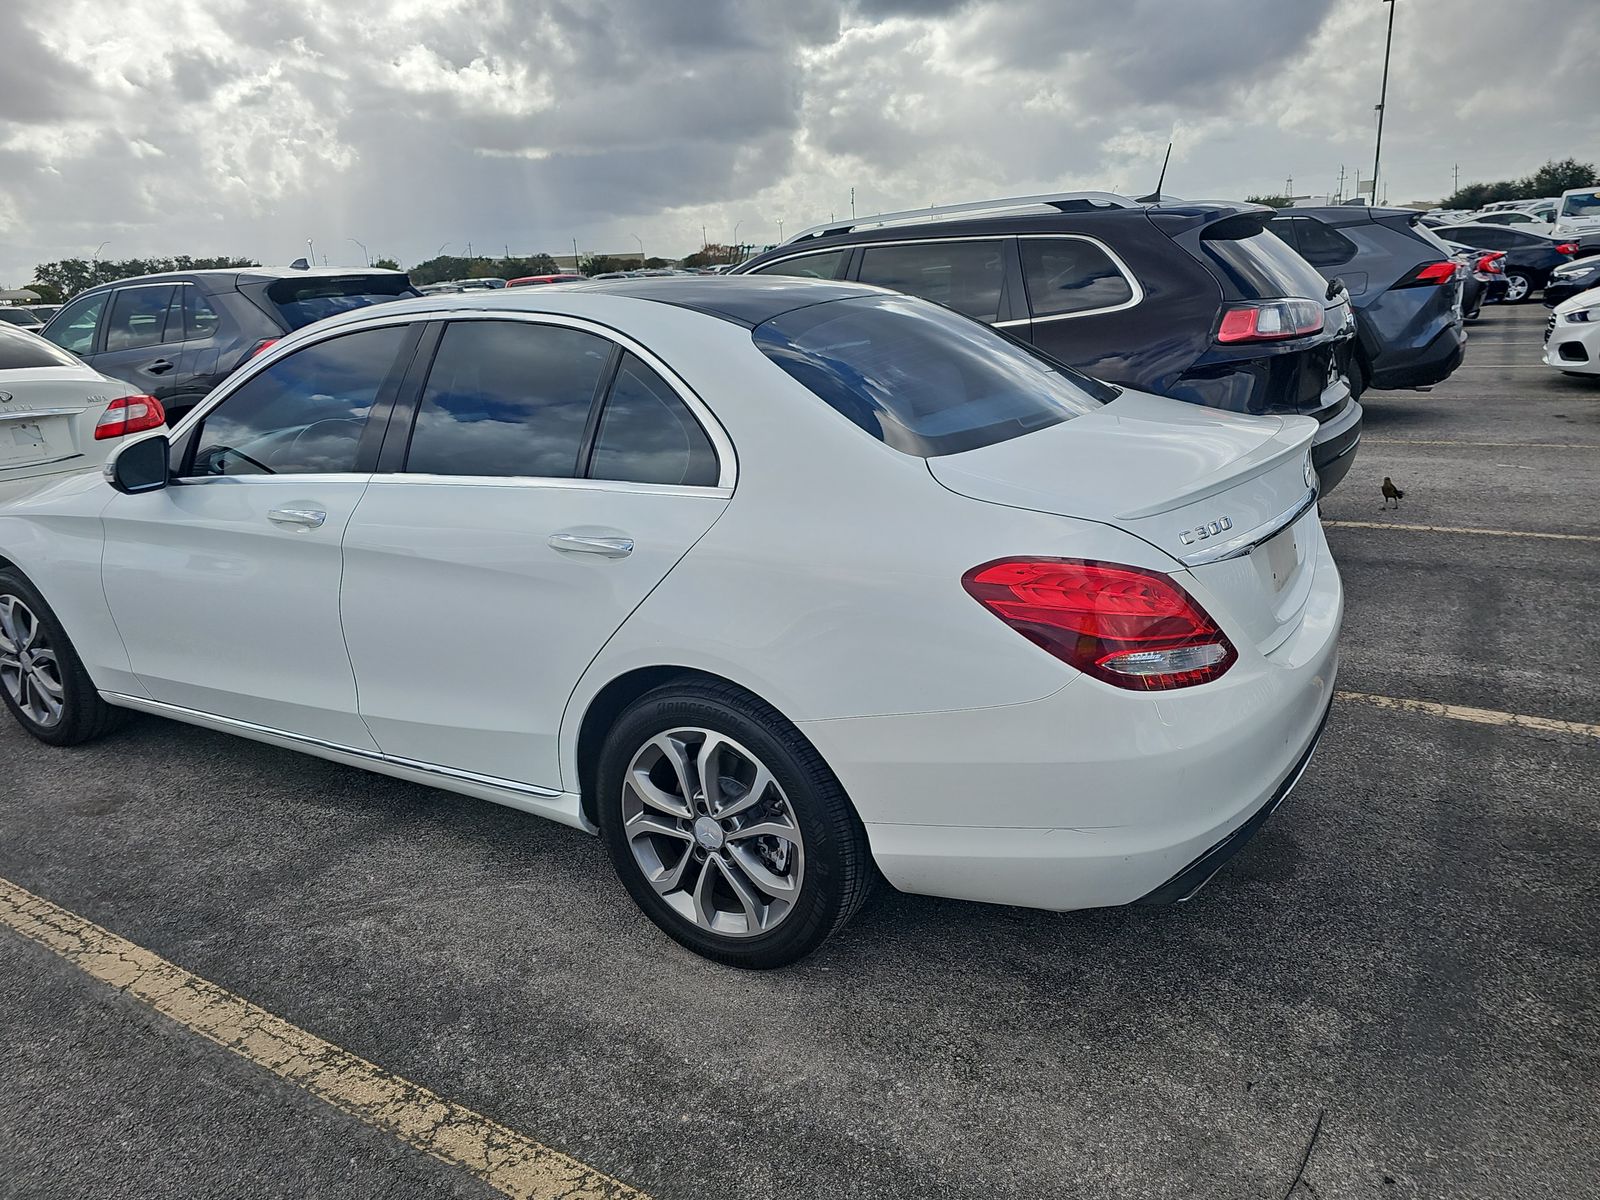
{"x":1209,"y":530}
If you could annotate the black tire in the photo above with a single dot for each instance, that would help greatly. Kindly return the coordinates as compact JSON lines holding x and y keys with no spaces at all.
{"x":84,"y":716}
{"x":838,"y":871}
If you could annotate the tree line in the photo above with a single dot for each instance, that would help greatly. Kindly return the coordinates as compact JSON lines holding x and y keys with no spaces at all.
{"x":1549,"y":180}
{"x":57,"y":281}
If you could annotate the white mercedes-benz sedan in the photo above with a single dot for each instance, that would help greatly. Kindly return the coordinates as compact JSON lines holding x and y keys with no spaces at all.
{"x":775,"y":584}
{"x":58,"y":415}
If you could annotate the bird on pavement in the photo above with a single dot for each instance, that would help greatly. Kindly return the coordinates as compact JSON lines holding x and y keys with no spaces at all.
{"x":1390,"y":492}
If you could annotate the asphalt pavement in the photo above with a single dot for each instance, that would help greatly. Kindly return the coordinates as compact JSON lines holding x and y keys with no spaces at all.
{"x":1394,"y":991}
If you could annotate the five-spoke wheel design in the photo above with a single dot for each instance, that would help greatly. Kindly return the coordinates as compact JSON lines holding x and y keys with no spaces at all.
{"x":713,"y":832}
{"x":29,"y":669}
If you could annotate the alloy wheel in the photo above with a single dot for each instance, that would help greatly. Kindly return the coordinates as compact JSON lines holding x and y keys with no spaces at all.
{"x":1517,"y":288}
{"x":29,"y":669}
{"x":713,"y":832}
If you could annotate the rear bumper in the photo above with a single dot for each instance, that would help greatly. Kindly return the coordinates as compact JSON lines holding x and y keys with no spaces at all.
{"x":1091,"y":797}
{"x":1333,"y":450}
{"x":1431,"y":364}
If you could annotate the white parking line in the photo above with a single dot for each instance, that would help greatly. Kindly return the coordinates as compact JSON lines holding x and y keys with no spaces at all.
{"x":1477,"y":716}
{"x":1510,"y":533}
{"x":1380,"y":441}
{"x":502,"y":1158}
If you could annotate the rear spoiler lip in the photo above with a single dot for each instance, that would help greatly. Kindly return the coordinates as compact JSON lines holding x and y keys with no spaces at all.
{"x":1179,"y":218}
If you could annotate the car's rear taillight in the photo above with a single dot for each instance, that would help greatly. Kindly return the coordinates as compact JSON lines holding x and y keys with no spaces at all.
{"x":263,"y":344}
{"x":1567,"y":248}
{"x":1434,"y":274}
{"x":1489,"y":264}
{"x":129,"y":414}
{"x":1268,"y":320}
{"x":1126,"y":626}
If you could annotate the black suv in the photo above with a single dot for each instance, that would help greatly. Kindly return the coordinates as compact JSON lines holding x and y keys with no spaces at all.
{"x":1197,"y":301}
{"x":176,"y":336}
{"x":1402,"y":282}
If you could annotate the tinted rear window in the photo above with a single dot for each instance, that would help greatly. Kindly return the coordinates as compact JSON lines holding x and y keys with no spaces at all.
{"x":926,"y":381}
{"x":302,"y":301}
{"x":1264,"y":265}
{"x":21,"y":351}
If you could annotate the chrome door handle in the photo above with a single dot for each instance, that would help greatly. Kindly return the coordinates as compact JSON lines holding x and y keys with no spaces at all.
{"x":310,"y":518}
{"x":606,"y":547}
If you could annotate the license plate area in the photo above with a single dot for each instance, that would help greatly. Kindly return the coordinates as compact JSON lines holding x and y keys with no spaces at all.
{"x":1278,"y":558}
{"x":25,"y":442}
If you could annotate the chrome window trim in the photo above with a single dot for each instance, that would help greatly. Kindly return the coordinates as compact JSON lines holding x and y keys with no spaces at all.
{"x":727,"y":459}
{"x":1238,"y":547}
{"x":1116,"y":260}
{"x":429,"y":479}
{"x":178,"y":711}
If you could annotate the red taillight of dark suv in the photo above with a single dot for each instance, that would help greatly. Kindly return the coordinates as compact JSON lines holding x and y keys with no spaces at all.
{"x":1128,"y":627}
{"x":1268,"y":321}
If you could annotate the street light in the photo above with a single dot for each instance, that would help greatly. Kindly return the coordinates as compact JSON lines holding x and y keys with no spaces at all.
{"x":1383,"y":99}
{"x":780,"y":229}
{"x":364,"y":252}
{"x":640,"y":240}
{"x":735,"y":246}
{"x":440,"y":250}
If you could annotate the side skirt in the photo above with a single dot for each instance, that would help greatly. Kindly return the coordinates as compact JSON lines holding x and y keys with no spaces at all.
{"x":562,"y":807}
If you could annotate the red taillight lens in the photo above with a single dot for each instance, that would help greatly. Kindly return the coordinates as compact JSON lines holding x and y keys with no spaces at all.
{"x":1434,"y":274}
{"x":263,"y":344}
{"x":1269,"y":320}
{"x":1489,"y":264}
{"x":1128,"y":627}
{"x":129,"y":414}
{"x":1567,"y":248}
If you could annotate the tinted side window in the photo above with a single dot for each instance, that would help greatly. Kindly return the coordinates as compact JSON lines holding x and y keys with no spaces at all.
{"x":647,"y":435}
{"x":138,"y":316}
{"x":1322,"y":245}
{"x":1483,"y":239}
{"x":73,"y":327}
{"x":808,"y":266}
{"x":964,"y":275}
{"x":305,"y":414}
{"x":200,"y":320}
{"x":1069,"y":275}
{"x":507,"y":398}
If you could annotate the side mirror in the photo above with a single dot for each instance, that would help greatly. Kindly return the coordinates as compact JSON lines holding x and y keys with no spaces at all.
{"x":139,"y":466}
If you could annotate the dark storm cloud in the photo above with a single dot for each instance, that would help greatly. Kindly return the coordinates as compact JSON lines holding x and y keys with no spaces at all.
{"x":37,"y":84}
{"x":246,"y":127}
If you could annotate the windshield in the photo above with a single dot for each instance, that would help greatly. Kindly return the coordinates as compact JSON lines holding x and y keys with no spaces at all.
{"x":922,"y":379}
{"x":1581,"y":204}
{"x":302,"y":301}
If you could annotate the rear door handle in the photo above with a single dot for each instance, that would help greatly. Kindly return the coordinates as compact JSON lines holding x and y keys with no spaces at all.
{"x":308,"y":518}
{"x":160,"y":367}
{"x":606,"y":547}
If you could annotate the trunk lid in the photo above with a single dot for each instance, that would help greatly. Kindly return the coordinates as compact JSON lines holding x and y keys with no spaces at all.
{"x":48,"y":423}
{"x":1226,"y":496}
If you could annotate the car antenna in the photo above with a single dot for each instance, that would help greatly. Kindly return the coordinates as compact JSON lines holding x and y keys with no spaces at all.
{"x":1155,"y":196}
{"x":299,"y":264}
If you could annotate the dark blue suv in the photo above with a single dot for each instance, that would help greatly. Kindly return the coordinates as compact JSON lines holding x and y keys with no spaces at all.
{"x":1402,"y":283}
{"x":1193,"y":300}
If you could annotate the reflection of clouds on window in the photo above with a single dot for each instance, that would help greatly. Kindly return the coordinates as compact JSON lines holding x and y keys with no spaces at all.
{"x":507,"y":398}
{"x":646,"y":434}
{"x":1068,"y":276}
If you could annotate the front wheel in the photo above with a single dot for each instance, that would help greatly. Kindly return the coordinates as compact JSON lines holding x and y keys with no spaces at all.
{"x":727,"y":828}
{"x":42,"y":680}
{"x":1518,"y":288}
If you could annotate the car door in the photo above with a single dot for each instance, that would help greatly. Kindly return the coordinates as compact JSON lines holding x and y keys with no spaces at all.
{"x":197,"y":329}
{"x":553,"y":475}
{"x":225,"y":585}
{"x":133,"y":345}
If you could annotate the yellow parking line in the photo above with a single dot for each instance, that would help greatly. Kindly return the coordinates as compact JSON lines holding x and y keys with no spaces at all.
{"x":504,"y":1159}
{"x":1478,"y":716}
{"x":1516,"y":533}
{"x":1378,"y":441}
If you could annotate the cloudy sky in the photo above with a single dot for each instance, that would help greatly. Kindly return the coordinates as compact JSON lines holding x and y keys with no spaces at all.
{"x":248,"y":126}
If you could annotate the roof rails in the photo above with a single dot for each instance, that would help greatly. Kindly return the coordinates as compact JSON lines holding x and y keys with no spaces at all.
{"x":1061,"y":201}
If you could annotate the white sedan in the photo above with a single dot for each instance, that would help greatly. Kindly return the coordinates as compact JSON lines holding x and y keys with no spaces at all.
{"x":1572,"y":335}
{"x":58,"y":415}
{"x":775,"y":584}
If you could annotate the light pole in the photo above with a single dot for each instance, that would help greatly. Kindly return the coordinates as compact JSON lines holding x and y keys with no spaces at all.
{"x":440,"y":250}
{"x":780,"y":230}
{"x":735,"y":246}
{"x":364,"y":252}
{"x":640,"y":240}
{"x":1383,"y":99}
{"x":311,"y":254}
